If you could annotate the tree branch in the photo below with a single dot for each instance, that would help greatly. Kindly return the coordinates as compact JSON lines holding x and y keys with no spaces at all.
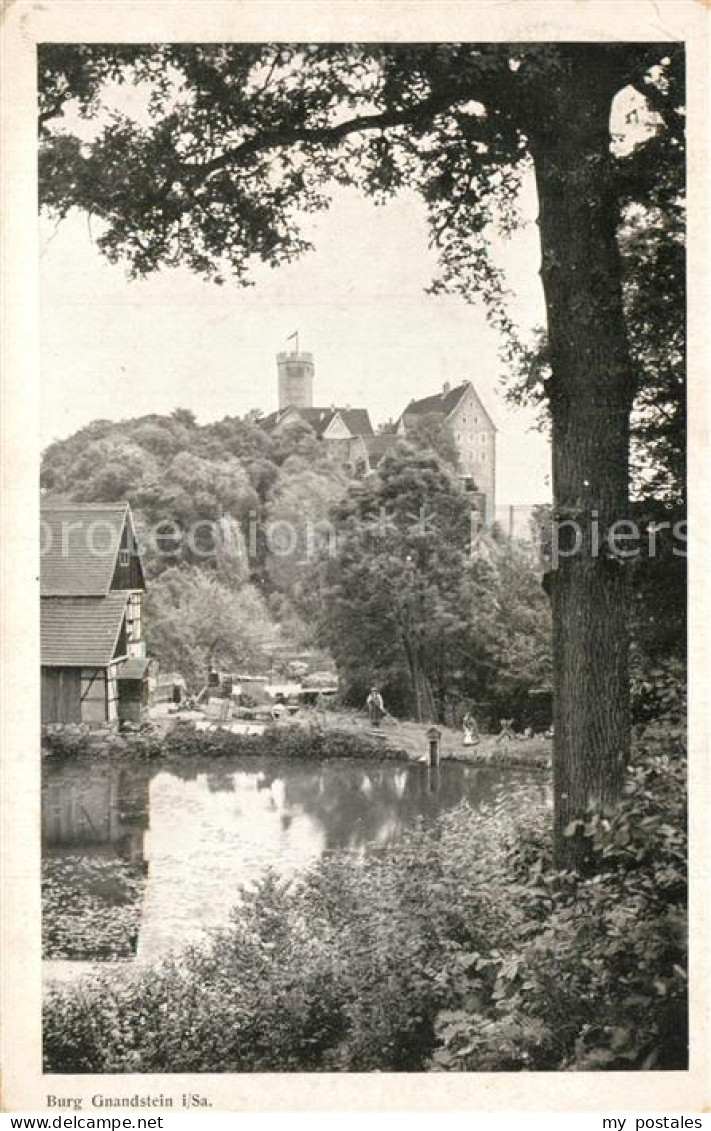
{"x":324,"y":135}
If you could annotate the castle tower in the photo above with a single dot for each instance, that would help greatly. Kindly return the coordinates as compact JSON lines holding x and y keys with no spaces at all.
{"x":296,"y":379}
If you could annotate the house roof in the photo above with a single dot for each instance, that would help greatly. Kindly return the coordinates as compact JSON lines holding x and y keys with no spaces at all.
{"x":80,"y":631}
{"x":445,"y":403}
{"x":135,"y":667}
{"x":356,"y":420}
{"x":318,"y":418}
{"x":379,"y":445}
{"x":79,"y":546}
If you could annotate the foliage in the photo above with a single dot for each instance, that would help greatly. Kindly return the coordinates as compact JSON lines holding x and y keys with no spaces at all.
{"x":240,"y":141}
{"x":66,"y":742}
{"x":457,"y":947}
{"x":218,"y":502}
{"x":408,"y":601}
{"x":431,"y":432}
{"x":303,"y":740}
{"x":400,"y":593}
{"x":659,"y":695}
{"x":91,"y":907}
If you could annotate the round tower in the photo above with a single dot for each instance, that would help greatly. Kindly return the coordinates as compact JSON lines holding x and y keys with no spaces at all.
{"x":296,"y":379}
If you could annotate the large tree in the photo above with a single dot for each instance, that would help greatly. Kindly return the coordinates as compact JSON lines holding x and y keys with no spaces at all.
{"x":196,"y":623}
{"x":399,"y":592}
{"x":237,"y":141}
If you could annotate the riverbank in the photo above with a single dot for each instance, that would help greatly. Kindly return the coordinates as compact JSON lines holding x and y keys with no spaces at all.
{"x":313,"y":734}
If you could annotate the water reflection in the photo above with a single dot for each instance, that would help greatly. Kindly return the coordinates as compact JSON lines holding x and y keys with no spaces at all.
{"x":203,"y":829}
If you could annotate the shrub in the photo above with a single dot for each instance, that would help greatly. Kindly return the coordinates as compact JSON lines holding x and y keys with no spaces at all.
{"x":598,"y":975}
{"x":457,"y":947}
{"x":284,"y":740}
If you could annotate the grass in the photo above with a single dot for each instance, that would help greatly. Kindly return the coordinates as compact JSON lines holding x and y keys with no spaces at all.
{"x":411,"y":737}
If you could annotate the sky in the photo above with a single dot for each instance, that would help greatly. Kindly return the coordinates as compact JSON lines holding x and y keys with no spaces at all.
{"x":114,"y":348}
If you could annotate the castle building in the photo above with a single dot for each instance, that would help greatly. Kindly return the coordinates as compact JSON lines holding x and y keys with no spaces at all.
{"x":348,"y":433}
{"x":474,"y":434}
{"x":342,"y":430}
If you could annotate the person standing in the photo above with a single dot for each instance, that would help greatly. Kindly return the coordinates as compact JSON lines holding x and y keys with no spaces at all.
{"x":471,"y":730}
{"x":376,"y":708}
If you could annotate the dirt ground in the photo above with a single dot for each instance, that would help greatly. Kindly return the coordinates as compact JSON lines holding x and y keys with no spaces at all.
{"x":412,"y":737}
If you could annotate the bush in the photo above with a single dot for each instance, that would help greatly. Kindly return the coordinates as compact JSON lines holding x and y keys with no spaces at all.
{"x":284,"y":740}
{"x":66,"y":743}
{"x":598,"y":978}
{"x":458,"y":947}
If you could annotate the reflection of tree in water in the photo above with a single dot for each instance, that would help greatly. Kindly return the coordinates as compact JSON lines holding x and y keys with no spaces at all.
{"x":93,"y":874}
{"x":356,"y":804}
{"x":98,"y":810}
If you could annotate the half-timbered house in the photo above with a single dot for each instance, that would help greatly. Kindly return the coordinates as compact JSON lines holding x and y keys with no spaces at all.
{"x":94,"y":666}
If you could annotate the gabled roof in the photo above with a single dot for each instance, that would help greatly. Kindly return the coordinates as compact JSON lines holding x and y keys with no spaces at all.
{"x":439,"y":402}
{"x":268,"y":422}
{"x":445,"y":403}
{"x":357,"y":421}
{"x":379,"y":445}
{"x":79,"y":545}
{"x":80,"y":631}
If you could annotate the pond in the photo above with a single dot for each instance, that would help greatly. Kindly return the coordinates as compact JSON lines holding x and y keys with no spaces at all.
{"x":196,"y":832}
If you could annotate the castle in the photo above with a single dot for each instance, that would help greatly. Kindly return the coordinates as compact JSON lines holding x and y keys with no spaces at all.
{"x":349,"y":434}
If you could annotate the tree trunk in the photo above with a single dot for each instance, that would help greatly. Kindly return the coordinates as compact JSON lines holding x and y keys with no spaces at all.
{"x":590,"y":396}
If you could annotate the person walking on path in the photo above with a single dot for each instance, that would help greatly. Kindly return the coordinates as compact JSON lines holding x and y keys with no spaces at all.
{"x":376,"y":707}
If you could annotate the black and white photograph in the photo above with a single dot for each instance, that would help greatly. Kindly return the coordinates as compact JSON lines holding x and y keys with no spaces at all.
{"x":362,"y":573}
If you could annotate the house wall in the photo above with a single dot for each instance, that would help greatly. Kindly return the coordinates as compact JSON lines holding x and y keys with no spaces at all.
{"x":61,"y":695}
{"x":112,"y":693}
{"x":128,"y":573}
{"x":358,"y":454}
{"x":339,"y":448}
{"x":133,"y":696}
{"x":133,"y":618}
{"x":337,"y":430}
{"x":93,"y":695}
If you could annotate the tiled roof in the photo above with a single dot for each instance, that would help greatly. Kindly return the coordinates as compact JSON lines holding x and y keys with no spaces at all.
{"x":79,"y":544}
{"x":269,"y":421}
{"x":318,"y":418}
{"x":80,"y":631}
{"x":379,"y":445}
{"x":357,"y":421}
{"x":135,"y":667}
{"x":439,"y":402}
